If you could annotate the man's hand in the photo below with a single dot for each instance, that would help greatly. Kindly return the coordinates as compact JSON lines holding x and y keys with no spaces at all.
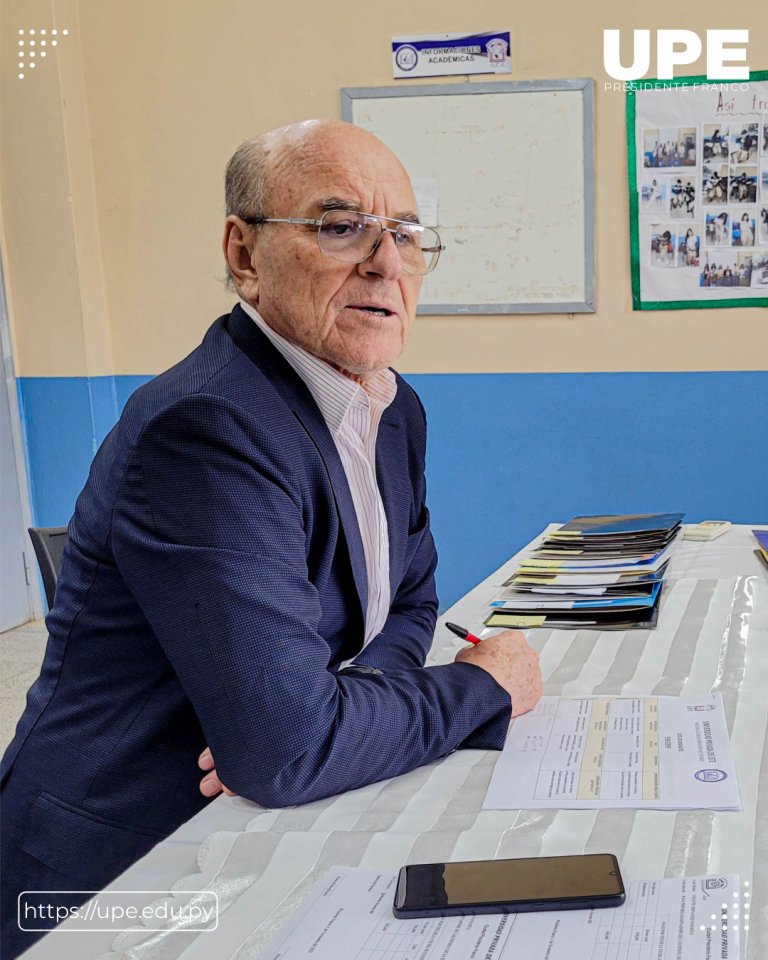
{"x":512,"y":664}
{"x":210,"y":785}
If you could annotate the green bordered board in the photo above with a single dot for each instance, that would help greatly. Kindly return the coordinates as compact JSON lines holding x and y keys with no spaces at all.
{"x":698,"y":192}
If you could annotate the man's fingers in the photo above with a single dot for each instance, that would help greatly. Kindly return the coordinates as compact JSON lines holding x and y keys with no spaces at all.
{"x":210,"y":786}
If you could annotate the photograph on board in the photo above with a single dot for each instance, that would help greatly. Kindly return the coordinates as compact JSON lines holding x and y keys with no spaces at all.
{"x":686,"y":146}
{"x":743,"y":227}
{"x":742,"y":182}
{"x":744,"y":142}
{"x":653,"y":195}
{"x":688,"y":246}
{"x":682,"y":198}
{"x":714,"y":140}
{"x":714,"y":184}
{"x":760,"y":269}
{"x":762,"y":224}
{"x":764,"y":180}
{"x":663,"y":241}
{"x":726,"y":268}
{"x":765,"y":134}
{"x":665,"y":147}
{"x":717,"y":231}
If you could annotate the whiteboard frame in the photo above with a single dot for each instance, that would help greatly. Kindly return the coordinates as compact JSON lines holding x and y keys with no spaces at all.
{"x":586,"y":85}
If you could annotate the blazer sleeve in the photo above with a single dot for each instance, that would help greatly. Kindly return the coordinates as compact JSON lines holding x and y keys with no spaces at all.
{"x":208,"y":533}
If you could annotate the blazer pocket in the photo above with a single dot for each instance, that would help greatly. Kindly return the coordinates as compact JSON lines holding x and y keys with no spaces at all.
{"x":415,"y":536}
{"x":421,"y":522}
{"x":80,"y":844}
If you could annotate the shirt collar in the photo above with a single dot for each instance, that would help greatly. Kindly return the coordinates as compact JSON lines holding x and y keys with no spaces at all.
{"x":333,"y":392}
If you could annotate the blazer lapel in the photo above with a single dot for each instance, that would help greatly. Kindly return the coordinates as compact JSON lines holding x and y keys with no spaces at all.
{"x":309,"y":416}
{"x":394,"y":486}
{"x":295,"y":392}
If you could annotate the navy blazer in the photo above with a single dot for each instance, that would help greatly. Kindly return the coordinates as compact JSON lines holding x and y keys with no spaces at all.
{"x":212,"y":583}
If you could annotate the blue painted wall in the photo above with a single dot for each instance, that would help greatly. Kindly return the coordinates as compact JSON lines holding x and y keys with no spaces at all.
{"x":507,"y":452}
{"x":64,"y":420}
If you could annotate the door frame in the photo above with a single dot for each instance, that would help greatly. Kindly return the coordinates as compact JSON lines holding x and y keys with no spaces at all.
{"x":17,"y":437}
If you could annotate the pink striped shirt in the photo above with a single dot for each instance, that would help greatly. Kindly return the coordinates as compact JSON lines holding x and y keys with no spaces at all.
{"x":352,"y":415}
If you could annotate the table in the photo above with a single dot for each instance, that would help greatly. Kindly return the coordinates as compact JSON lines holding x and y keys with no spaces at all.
{"x":712,"y":636}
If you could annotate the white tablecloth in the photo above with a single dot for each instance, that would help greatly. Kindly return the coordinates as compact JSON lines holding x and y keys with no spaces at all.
{"x":712,"y":636}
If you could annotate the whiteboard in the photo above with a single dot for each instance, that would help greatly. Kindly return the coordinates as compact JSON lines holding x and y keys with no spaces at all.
{"x":513,"y":165}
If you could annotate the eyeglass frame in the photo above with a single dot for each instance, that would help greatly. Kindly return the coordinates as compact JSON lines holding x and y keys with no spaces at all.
{"x":257,"y":221}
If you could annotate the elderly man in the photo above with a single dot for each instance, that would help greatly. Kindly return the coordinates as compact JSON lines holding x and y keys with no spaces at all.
{"x":250,"y":565}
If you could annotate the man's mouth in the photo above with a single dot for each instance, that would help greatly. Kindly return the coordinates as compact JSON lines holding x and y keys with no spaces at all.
{"x":375,"y":311}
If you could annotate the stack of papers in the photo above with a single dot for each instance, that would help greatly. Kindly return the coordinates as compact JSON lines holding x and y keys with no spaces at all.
{"x":604,"y":573}
{"x":762,"y":538}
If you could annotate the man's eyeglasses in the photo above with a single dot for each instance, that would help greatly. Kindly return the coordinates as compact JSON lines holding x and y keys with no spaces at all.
{"x":353,"y":237}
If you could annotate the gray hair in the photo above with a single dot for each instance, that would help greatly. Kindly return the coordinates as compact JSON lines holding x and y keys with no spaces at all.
{"x":246,"y":185}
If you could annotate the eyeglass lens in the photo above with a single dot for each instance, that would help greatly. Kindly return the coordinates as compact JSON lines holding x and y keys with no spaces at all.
{"x":352,"y":237}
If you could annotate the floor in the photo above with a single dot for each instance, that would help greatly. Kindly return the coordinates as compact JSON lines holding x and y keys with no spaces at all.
{"x":21,"y":653}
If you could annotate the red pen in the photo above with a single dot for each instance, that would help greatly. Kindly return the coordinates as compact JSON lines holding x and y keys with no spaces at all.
{"x":463,"y":633}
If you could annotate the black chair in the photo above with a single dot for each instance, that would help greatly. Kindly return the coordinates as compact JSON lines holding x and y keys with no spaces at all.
{"x":49,"y":545}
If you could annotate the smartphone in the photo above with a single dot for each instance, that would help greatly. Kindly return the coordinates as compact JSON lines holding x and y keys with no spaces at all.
{"x":509,"y":886}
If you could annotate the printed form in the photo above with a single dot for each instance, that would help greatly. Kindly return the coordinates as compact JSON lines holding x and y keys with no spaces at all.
{"x":348,"y":916}
{"x":665,"y":753}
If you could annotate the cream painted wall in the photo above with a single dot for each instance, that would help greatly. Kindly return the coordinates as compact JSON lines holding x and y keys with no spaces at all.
{"x":114,"y":151}
{"x":39,"y":249}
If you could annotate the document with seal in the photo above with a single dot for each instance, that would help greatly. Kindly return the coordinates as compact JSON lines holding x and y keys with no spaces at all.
{"x":662,"y":753}
{"x":348,"y":916}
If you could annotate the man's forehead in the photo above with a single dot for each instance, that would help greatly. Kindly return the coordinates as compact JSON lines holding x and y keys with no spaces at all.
{"x":336,"y":189}
{"x":345,"y":201}
{"x":351,"y":153}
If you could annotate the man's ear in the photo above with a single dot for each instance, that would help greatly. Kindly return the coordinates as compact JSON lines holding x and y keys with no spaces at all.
{"x":239,"y":244}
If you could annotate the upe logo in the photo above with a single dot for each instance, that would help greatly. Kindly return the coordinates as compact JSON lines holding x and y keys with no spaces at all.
{"x":711,"y":776}
{"x":715,"y":883}
{"x":667,"y":56}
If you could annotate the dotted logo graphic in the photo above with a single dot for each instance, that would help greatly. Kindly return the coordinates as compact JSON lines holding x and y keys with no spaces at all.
{"x":34,"y":44}
{"x":740,"y":914}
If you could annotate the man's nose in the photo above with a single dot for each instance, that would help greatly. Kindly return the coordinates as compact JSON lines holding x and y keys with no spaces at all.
{"x":385,"y":261}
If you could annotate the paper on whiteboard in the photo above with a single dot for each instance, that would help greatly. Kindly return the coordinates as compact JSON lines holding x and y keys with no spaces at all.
{"x":348,"y":916}
{"x":425,"y":191}
{"x":662,"y":753}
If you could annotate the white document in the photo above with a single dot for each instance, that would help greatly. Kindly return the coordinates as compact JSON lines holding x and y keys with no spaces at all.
{"x":534,"y":595}
{"x":662,"y":753}
{"x":567,"y":579}
{"x":425,"y":191}
{"x":581,"y":591}
{"x":348,"y":916}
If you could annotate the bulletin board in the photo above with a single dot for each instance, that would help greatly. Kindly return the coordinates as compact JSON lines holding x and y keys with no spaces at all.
{"x":698,"y":191}
{"x":510,"y":166}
